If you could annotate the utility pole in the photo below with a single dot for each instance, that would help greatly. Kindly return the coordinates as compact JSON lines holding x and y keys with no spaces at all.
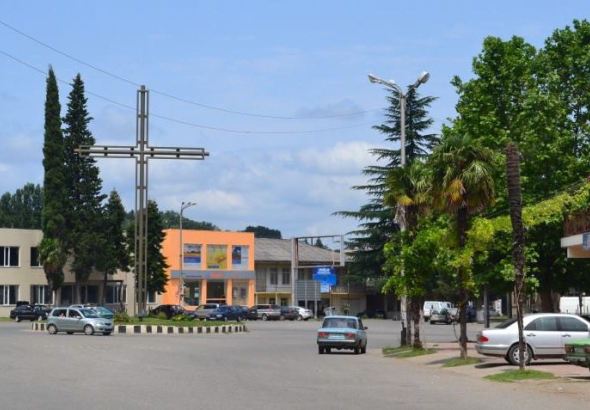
{"x":142,"y":152}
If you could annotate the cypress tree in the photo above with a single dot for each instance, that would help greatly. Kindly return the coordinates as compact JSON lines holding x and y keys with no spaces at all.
{"x":83,"y":189}
{"x":51,"y":251}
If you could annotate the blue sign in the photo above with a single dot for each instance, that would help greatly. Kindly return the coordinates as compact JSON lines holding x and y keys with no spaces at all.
{"x":326,"y":276}
{"x":586,"y":241}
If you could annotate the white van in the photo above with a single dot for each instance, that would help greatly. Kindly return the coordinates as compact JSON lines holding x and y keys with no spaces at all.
{"x":437,"y":305}
{"x":571,"y":304}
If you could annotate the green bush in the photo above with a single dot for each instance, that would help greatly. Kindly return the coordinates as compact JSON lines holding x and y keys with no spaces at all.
{"x":122,"y":317}
{"x":161,"y":316}
{"x":182,"y":318}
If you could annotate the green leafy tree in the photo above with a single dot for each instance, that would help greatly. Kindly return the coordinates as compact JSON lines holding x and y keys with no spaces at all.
{"x":83,"y":189}
{"x":376,"y":219}
{"x":264,"y":232}
{"x":51,"y":249}
{"x":22,"y":210}
{"x":463,"y":185}
{"x":171,"y":219}
{"x":115,"y":255}
{"x":539,"y":100}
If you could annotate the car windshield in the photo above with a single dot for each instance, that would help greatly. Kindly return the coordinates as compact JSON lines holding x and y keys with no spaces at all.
{"x":339,"y":322}
{"x":506,"y":323}
{"x":88,"y":313}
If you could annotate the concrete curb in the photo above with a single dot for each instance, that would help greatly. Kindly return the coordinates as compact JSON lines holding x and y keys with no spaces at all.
{"x":162,"y":330}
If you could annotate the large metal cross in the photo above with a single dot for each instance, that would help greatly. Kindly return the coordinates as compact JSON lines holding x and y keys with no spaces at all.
{"x":142,"y":152}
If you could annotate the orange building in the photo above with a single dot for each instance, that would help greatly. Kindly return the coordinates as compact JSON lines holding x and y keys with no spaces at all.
{"x":211,"y":267}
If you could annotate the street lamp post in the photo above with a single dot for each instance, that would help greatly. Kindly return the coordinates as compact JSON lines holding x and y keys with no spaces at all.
{"x":422,"y":79}
{"x":183,"y":206}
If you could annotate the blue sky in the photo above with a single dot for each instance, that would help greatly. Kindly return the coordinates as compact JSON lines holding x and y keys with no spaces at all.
{"x":250,"y":61}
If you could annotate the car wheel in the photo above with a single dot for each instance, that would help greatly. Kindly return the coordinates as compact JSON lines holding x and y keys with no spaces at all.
{"x":17,"y":319}
{"x":364,"y":349}
{"x":106,"y":333}
{"x":513,"y":355}
{"x":432,"y":322}
{"x":328,"y":350}
{"x":299,"y":318}
{"x":320,"y":350}
{"x":70,"y":333}
{"x":357,"y":350}
{"x":52,"y":329}
{"x":264,"y":317}
{"x":88,"y":330}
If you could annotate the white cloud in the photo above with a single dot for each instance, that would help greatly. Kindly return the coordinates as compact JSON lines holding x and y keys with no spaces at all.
{"x":344,"y":157}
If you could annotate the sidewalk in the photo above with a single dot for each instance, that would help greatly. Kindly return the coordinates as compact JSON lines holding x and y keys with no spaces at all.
{"x":492,"y":365}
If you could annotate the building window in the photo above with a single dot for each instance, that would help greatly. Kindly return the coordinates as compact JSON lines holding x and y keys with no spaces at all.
{"x":274,"y":276}
{"x":286,"y":276}
{"x":40,"y":294}
{"x":151,"y":297}
{"x":89,"y":294}
{"x":35,"y":262}
{"x":116,"y":292}
{"x":8,"y":294}
{"x":300,"y":274}
{"x":8,"y":256}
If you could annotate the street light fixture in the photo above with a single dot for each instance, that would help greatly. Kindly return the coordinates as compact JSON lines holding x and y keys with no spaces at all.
{"x":183,"y":206}
{"x":422,"y":79}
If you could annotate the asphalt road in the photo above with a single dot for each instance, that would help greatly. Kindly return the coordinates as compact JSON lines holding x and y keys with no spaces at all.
{"x":273,"y":366}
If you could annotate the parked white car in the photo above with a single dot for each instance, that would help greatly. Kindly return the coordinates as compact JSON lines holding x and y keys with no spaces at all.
{"x":545,"y":335}
{"x":304,"y":314}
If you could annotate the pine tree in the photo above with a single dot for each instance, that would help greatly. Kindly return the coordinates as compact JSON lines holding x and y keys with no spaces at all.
{"x":83,"y":189}
{"x":156,"y":262}
{"x":51,"y":251}
{"x":114,"y":252}
{"x":376,"y":220}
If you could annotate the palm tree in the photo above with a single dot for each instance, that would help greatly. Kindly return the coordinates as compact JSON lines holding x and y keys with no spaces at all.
{"x":408,"y":191}
{"x":514,"y":198}
{"x":462,"y":185}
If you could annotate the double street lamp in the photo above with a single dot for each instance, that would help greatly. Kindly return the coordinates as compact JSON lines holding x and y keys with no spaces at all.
{"x":422,"y":79}
{"x":183,"y":206}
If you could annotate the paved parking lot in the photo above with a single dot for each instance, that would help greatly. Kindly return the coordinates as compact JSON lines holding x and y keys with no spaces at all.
{"x":273,"y":366}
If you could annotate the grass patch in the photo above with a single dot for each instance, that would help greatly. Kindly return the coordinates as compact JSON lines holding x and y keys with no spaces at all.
{"x":516,"y":375}
{"x":461,"y":362}
{"x":406,"y":351}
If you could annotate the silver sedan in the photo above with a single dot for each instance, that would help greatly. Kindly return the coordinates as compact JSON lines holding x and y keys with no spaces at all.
{"x":545,"y":335}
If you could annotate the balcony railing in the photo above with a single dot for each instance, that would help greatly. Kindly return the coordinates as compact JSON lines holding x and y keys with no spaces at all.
{"x":577,"y":223}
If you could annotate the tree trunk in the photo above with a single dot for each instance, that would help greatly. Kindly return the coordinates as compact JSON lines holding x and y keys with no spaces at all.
{"x":416,"y":316}
{"x":104,"y":289}
{"x":409,"y":321}
{"x":463,"y":224}
{"x":514,"y":199}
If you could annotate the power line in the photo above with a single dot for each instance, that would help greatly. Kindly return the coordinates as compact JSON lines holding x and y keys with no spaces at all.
{"x":184,"y":100}
{"x":191,"y":124}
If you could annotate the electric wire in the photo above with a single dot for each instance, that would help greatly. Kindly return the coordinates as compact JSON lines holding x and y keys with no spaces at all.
{"x":186,"y":123}
{"x":184,"y":100}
